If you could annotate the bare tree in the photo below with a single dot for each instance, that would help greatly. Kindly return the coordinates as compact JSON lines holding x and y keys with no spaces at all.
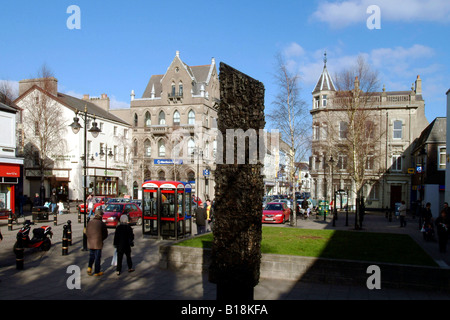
{"x":355,"y":134}
{"x":43,"y":126}
{"x":290,"y":116}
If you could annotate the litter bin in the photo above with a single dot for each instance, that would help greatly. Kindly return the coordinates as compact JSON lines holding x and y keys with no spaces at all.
{"x":40,"y":213}
{"x":323,"y":207}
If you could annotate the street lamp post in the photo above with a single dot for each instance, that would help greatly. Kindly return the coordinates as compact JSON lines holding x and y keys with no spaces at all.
{"x":197,"y":182}
{"x":94,"y":130}
{"x":331,"y":161}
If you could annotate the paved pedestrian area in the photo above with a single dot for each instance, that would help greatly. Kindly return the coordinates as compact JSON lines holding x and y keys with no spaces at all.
{"x":49,"y":275}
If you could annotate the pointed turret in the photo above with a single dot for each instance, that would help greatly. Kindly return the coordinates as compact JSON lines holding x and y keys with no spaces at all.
{"x":325,"y":82}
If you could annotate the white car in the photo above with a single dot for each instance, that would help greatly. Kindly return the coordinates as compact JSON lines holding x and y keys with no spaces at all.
{"x":286,"y":201}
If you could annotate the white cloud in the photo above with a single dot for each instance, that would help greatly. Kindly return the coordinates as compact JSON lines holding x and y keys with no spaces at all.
{"x":294,"y":50}
{"x":339,"y":14}
{"x":116,"y":104}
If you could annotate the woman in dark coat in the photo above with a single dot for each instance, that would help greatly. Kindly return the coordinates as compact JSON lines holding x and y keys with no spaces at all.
{"x":123,"y":241}
{"x":442,"y":226}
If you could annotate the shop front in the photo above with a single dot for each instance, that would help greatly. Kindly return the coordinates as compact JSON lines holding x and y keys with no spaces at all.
{"x":9,"y":179}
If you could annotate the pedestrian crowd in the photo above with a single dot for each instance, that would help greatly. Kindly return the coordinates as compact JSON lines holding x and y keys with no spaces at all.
{"x":431,"y":227}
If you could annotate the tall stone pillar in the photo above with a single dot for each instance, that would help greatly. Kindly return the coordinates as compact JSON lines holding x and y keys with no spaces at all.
{"x":236,"y":251}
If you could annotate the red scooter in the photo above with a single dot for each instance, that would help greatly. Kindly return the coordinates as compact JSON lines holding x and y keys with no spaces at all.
{"x":40,"y":238}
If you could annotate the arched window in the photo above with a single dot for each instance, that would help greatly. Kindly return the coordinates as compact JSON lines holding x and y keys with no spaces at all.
{"x":147,"y":148}
{"x":191,"y":146}
{"x":148,"y":119}
{"x":135,"y":120}
{"x":191,"y":117}
{"x":161,"y":148}
{"x":162,"y":118}
{"x":161,"y":176}
{"x":176,"y":118}
{"x":135,"y":148}
{"x":180,"y":89}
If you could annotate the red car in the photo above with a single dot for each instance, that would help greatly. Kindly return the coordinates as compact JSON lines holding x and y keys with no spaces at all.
{"x":276,"y":212}
{"x":98,"y":201}
{"x":113,"y":211}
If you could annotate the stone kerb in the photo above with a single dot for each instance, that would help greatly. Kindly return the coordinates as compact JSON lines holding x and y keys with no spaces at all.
{"x":343,"y":272}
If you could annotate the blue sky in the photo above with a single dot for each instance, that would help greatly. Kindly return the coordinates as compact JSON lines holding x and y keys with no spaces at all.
{"x":122,"y":43}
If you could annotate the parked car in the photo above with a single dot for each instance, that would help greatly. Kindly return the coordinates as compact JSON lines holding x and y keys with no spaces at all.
{"x":286,"y":201}
{"x":276,"y":212}
{"x":98,"y":201}
{"x":113,"y":211}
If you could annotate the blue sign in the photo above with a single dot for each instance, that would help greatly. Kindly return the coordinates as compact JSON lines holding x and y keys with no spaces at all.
{"x":206,"y":172}
{"x":167,"y":161}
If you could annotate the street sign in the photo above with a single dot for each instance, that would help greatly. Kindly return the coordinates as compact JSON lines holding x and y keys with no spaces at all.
{"x":206,"y":172}
{"x":167,"y":161}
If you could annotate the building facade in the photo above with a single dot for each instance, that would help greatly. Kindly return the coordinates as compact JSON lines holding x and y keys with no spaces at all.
{"x":430,"y":161}
{"x":174,"y":127}
{"x":10,"y":164}
{"x":399,"y":118}
{"x":46,"y":116}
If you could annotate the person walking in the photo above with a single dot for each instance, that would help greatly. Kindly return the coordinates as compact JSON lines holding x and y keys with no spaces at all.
{"x":53,"y":201}
{"x":209,"y":215}
{"x":402,"y":214}
{"x":90,"y":204}
{"x":200,"y":220}
{"x":427,"y":217}
{"x":123,"y":241}
{"x":96,"y":233}
{"x":442,"y":227}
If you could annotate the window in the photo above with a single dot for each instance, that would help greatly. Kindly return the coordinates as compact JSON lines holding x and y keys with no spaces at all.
{"x":191,"y":146}
{"x":135,"y":120}
{"x":442,"y":155}
{"x":161,"y":176}
{"x":176,"y":118}
{"x":135,"y":148}
{"x":316,"y":103}
{"x":397,"y":134}
{"x":115,"y":153}
{"x":370,"y":126}
{"x":324,"y":100}
{"x":161,"y":148}
{"x":125,"y":133}
{"x":148,"y":119}
{"x":342,"y":162}
{"x":147,"y":148}
{"x":324,"y":131}
{"x":191,"y":117}
{"x":173,"y":89}
{"x":369,"y":162}
{"x":374,"y":191}
{"x":162,"y":118}
{"x":396,"y":163}
{"x":180,"y":89}
{"x":115,"y":131}
{"x":36,"y":128}
{"x":316,"y":132}
{"x":343,"y":130}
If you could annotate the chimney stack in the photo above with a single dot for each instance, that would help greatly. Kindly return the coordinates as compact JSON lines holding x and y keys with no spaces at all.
{"x":418,"y":85}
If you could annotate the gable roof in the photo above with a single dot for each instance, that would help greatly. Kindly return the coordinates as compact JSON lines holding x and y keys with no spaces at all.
{"x":435,"y":132}
{"x":199,"y":75}
{"x":76,"y":104}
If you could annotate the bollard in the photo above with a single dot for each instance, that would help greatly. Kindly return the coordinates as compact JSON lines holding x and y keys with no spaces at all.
{"x":65,"y":242}
{"x":18,"y":250}
{"x":79,"y":214}
{"x":10,"y":221}
{"x":55,"y":217}
{"x":69,"y":232}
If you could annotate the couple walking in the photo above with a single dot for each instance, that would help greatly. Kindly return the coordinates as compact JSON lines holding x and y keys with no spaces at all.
{"x":97,"y":232}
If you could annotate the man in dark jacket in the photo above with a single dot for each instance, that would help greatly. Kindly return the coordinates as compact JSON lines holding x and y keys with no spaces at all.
{"x":201,"y":220}
{"x":53,"y":201}
{"x":96,"y":233}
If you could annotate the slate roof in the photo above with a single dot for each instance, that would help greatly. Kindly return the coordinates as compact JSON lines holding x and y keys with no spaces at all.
{"x":325,"y":82}
{"x":435,"y":132}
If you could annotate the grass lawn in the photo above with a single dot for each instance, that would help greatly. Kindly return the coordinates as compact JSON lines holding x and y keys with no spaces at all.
{"x":335,"y":244}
